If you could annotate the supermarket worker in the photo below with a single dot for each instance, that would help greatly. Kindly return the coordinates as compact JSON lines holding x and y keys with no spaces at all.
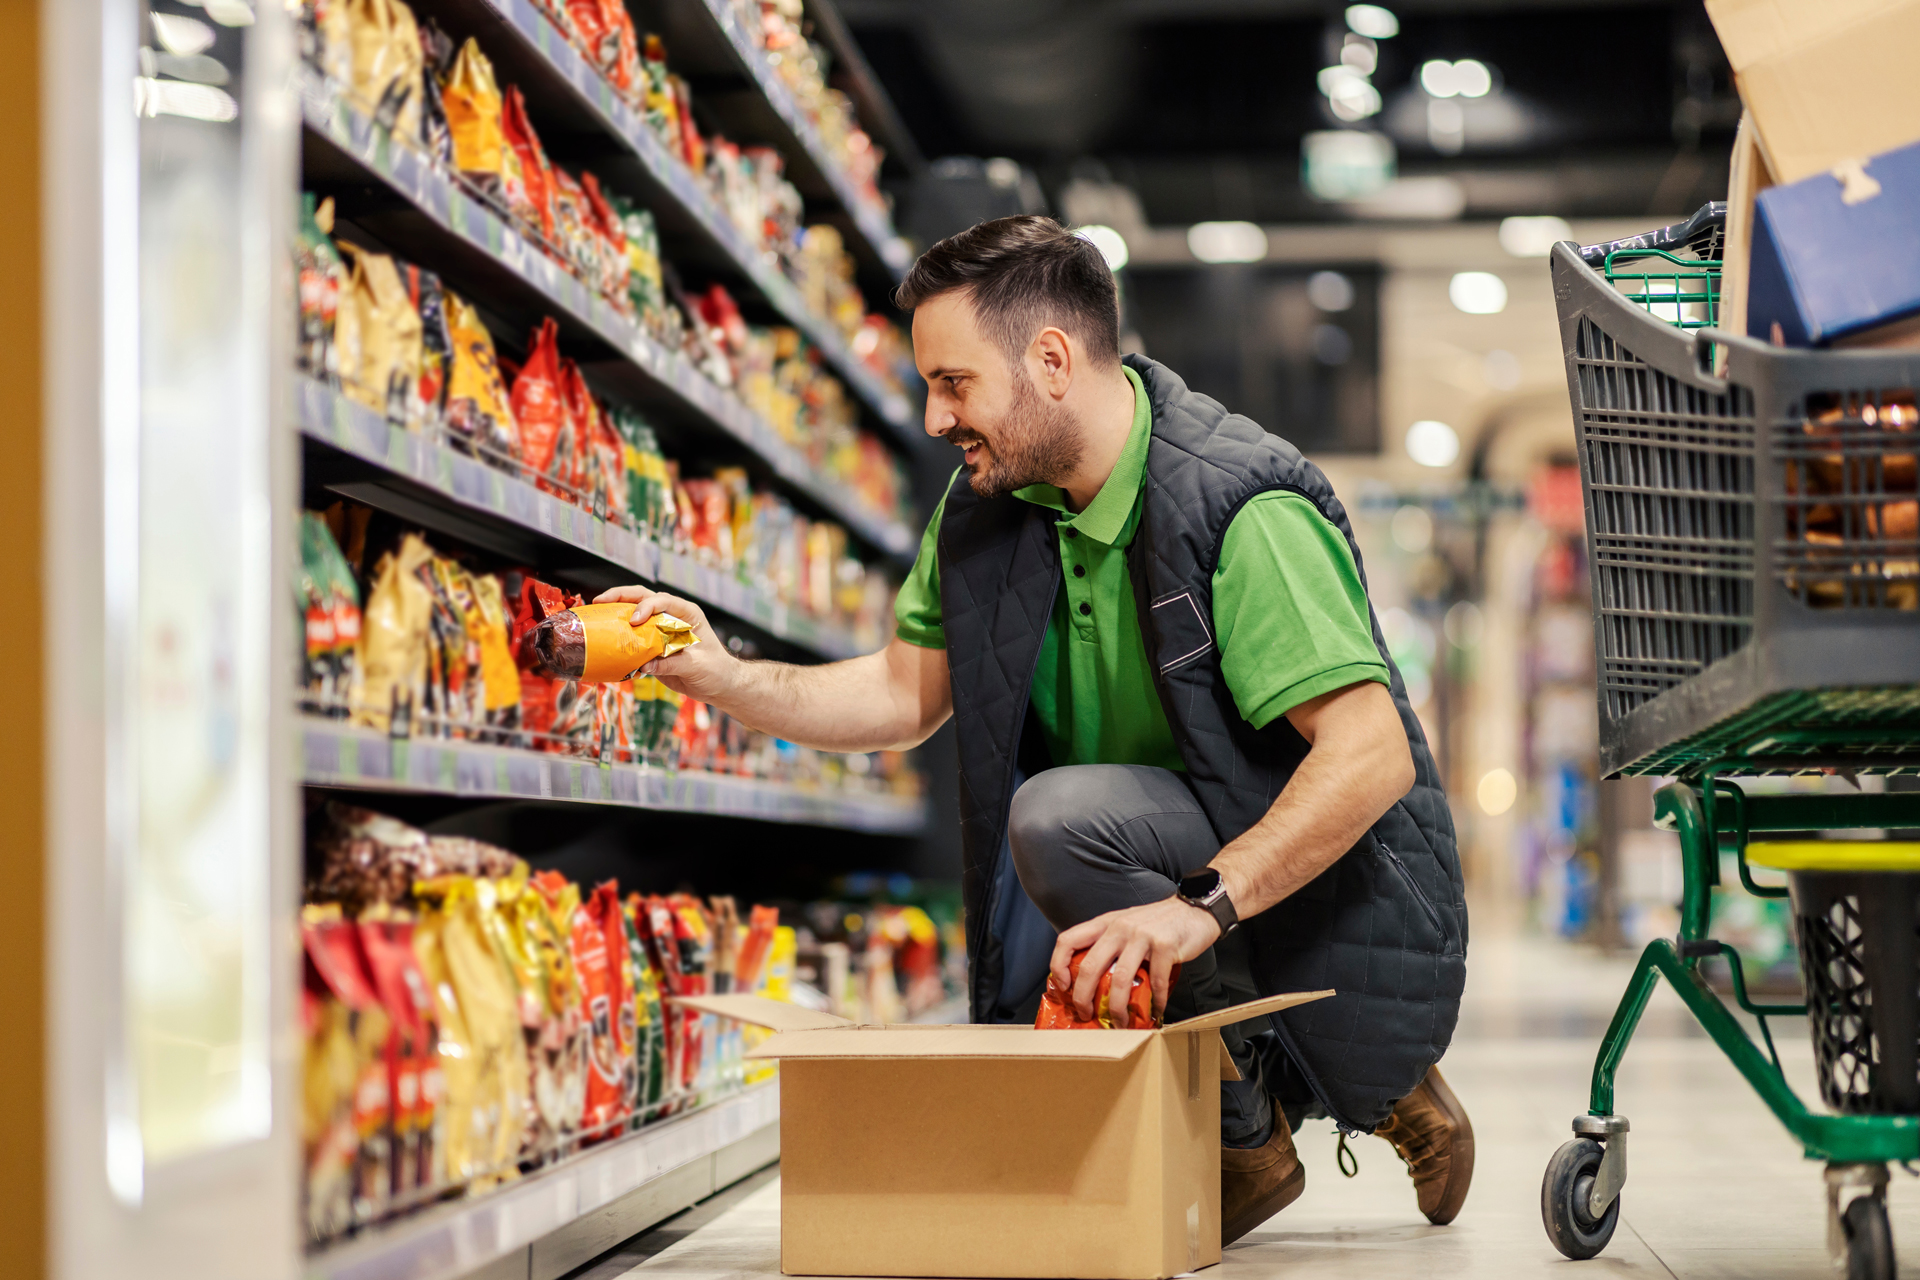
{"x":1181,"y":736}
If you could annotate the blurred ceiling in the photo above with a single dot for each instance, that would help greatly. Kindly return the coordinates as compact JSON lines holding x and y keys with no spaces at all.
{"x":1198,"y":106}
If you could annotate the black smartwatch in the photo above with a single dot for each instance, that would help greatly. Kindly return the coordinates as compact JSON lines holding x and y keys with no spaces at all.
{"x":1205,"y":889}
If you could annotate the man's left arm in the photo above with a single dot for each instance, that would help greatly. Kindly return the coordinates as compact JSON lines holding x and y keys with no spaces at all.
{"x":1358,"y":763}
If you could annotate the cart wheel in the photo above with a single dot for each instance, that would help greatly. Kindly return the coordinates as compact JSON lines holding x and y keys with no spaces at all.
{"x":1563,"y":1202}
{"x":1869,"y":1239}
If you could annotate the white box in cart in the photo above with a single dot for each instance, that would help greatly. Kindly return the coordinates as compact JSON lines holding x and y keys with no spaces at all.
{"x":995,"y":1151}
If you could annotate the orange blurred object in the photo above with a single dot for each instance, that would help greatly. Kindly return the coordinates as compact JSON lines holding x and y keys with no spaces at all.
{"x":1056,"y":1006}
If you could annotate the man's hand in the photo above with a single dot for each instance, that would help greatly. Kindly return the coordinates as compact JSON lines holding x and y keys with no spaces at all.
{"x":704,"y":671}
{"x":1159,"y":935}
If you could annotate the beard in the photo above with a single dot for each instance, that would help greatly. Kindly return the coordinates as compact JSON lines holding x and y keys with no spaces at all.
{"x":1034,"y":443}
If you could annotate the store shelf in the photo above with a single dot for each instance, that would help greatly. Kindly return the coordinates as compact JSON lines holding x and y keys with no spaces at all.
{"x":733,"y":78}
{"x":335,"y":754}
{"x":517,"y":265}
{"x":852,"y":74}
{"x":476,"y":488}
{"x":552,"y":1217}
{"x":530,"y":52}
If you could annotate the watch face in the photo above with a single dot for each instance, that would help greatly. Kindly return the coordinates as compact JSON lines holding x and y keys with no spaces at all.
{"x":1198,"y":884}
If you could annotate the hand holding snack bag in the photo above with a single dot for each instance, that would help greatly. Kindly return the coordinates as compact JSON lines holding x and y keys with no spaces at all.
{"x":600,"y":643}
{"x":1056,"y":1005}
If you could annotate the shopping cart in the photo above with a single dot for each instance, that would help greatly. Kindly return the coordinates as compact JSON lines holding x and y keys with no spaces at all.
{"x":1754,"y":566}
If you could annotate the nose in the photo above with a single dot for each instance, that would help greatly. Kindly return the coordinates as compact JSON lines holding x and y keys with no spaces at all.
{"x":939,"y":419}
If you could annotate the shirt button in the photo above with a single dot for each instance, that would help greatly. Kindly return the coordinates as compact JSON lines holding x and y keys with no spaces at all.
{"x":1072,"y":532}
{"x":1085,"y":608}
{"x":1079,"y":571}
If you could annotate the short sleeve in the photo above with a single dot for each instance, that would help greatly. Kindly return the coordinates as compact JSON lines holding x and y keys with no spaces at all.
{"x":916,"y":609}
{"x":1289,"y":610}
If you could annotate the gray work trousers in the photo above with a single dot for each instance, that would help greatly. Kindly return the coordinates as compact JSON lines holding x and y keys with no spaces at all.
{"x":1088,"y":839}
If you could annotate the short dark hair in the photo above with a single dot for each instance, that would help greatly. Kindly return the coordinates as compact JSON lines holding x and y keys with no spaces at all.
{"x":1022,"y":274}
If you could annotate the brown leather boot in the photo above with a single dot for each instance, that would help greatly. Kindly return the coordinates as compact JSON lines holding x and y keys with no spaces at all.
{"x":1430,"y":1130}
{"x":1258,"y":1182}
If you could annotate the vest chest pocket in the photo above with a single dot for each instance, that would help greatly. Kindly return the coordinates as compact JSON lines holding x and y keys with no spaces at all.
{"x":1180,"y":630}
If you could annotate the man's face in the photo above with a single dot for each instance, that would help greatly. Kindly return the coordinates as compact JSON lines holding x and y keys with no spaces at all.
{"x":1012,"y":434}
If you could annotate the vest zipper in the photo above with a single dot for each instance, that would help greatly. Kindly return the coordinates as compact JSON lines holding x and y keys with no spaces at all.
{"x":1433,"y":913}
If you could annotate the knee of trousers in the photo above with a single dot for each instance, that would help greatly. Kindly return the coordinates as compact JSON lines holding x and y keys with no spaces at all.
{"x":1048,"y":832}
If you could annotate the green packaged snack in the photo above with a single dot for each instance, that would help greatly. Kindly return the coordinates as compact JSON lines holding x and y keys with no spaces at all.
{"x":330,"y":607}
{"x":650,"y":1047}
{"x":322,"y":273}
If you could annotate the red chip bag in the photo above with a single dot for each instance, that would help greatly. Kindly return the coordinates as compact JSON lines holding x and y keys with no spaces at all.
{"x":599,"y":929}
{"x":1056,"y":1005}
{"x":615,"y":267}
{"x":540,"y":408}
{"x":413,"y":1060}
{"x":536,"y":175}
{"x":582,"y":410}
{"x":353,"y":1015}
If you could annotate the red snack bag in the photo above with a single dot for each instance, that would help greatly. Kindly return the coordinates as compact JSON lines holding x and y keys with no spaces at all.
{"x":535,"y":173}
{"x":610,"y":1013}
{"x":755,"y":947}
{"x":413,"y":1060}
{"x":582,"y":410}
{"x":615,"y":267}
{"x":655,"y":921}
{"x":540,"y":407}
{"x":348,"y":1125}
{"x":529,"y":601}
{"x":1056,"y":1006}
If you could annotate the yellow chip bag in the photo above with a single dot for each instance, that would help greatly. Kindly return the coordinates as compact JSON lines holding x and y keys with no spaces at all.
{"x":376,"y":334}
{"x":393,"y":639}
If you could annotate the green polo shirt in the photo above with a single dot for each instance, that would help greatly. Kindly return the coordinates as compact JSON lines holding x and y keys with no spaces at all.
{"x":1290,"y":616}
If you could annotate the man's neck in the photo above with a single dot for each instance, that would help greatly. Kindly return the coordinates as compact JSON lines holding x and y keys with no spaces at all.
{"x":1105,"y":423}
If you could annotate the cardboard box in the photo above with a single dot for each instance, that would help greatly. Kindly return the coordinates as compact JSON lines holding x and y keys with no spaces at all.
{"x":912,"y":1150}
{"x":1747,"y":177}
{"x":1837,"y":254}
{"x":1827,"y":81}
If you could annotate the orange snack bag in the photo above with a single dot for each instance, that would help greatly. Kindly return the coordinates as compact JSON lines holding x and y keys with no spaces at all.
{"x":540,"y":410}
{"x":1056,"y":1006}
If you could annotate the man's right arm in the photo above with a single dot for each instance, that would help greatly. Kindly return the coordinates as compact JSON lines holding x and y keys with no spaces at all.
{"x":885,"y":701}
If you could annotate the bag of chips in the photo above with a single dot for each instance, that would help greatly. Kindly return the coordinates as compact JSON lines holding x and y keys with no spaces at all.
{"x":387,"y":63}
{"x":612,"y":248}
{"x":573,"y":229}
{"x":601,"y":642}
{"x":1056,"y":1004}
{"x":661,"y":110}
{"x":471,"y":98}
{"x":348,"y":1113}
{"x":598,"y":943}
{"x":478,"y":407}
{"x":429,"y":401}
{"x":582,"y":412}
{"x":585,"y":962}
{"x":322,"y":275}
{"x":330,"y":603}
{"x":499,"y":675}
{"x":552,"y":1015}
{"x":464,"y":1127}
{"x":413,"y":1073}
{"x":540,"y":410}
{"x":377,"y":335}
{"x":394,"y":640}
{"x":649,"y":1036}
{"x":536,"y":175}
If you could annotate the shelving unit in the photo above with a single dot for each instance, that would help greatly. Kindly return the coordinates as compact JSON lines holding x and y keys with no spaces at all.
{"x":422,"y":478}
{"x":395,"y":198}
{"x":561,"y":1216}
{"x":443,"y":225}
{"x":583,"y":118}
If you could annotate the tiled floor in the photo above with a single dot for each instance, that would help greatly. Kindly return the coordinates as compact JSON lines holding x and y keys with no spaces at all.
{"x":1715,"y":1188}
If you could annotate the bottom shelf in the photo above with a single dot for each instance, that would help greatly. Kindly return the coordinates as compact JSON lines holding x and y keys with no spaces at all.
{"x":560,"y":1217}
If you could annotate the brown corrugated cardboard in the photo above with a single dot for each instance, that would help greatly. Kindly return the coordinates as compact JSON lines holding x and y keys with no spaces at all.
{"x":1748,"y":177}
{"x":1827,"y":82}
{"x":997,"y":1151}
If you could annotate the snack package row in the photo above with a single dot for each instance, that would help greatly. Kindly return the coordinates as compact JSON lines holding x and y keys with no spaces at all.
{"x":779,"y":27}
{"x":466,"y":1019}
{"x":1855,"y":498}
{"x":447,"y":100}
{"x":397,"y":341}
{"x":442,"y":650}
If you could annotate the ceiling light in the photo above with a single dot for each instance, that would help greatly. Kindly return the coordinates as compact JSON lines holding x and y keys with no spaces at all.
{"x":1345,"y":164}
{"x":178,"y":98}
{"x":1497,"y":792}
{"x":1332,"y":80}
{"x":1111,"y":244}
{"x":1355,"y":101}
{"x":1478,"y":293}
{"x":1472,"y":78}
{"x":182,"y":35}
{"x":1436,"y":77}
{"x":1412,"y":529}
{"x":1533,"y":237}
{"x":1372,"y":21}
{"x":1227,"y":242}
{"x":1359,"y":53}
{"x":1432,"y":444}
{"x":1329,"y":291}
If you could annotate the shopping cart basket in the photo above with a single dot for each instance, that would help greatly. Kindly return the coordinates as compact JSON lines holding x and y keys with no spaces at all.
{"x":1754,"y":565}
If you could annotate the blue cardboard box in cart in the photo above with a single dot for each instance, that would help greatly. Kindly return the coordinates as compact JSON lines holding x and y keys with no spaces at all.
{"x":1836,"y":257}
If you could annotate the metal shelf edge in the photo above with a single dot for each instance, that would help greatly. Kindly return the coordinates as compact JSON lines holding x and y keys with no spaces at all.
{"x":331,"y":418}
{"x":890,"y":407}
{"x":456,"y":1238}
{"x":335,"y":754}
{"x":413,"y":177}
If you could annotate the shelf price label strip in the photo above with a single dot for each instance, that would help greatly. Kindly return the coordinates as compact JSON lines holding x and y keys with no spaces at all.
{"x":337,"y":755}
{"x":430,"y":191}
{"x":672,"y":173}
{"x":329,"y":416}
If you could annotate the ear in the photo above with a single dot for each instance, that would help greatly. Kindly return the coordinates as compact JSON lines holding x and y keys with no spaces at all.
{"x":1056,"y":361}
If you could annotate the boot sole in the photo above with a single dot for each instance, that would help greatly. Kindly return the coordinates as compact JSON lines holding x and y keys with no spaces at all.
{"x":1282,"y":1196}
{"x":1460,"y":1155}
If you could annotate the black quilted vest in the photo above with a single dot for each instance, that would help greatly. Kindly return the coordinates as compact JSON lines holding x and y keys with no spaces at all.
{"x":1386,"y":925}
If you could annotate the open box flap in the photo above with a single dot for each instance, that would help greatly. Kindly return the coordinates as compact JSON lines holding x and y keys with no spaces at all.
{"x":1227,"y":1070}
{"x":776,"y":1015}
{"x":905,"y":1040}
{"x":1242,"y":1012}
